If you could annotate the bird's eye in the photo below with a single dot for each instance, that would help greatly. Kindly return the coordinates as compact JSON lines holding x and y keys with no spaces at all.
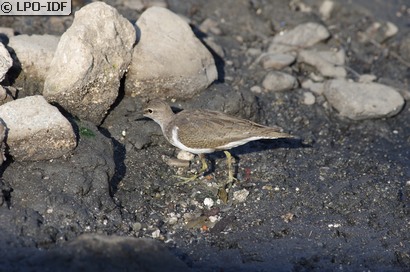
{"x":150,"y":111}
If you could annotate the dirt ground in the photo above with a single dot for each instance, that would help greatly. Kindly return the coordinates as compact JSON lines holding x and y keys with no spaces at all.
{"x":338,"y":200}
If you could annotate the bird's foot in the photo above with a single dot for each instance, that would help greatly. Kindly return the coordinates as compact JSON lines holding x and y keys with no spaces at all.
{"x":185,"y":180}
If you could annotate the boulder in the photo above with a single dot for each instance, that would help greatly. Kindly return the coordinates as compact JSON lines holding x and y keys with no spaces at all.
{"x":36,"y":130}
{"x":168,"y":61}
{"x":90,"y":60}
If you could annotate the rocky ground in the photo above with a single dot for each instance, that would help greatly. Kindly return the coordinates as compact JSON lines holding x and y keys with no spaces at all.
{"x":336,"y":200}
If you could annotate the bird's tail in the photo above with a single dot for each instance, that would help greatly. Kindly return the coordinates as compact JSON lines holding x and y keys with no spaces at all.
{"x":276,"y":133}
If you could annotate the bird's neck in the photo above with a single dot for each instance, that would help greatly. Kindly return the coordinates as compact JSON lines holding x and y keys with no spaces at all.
{"x":166,"y":119}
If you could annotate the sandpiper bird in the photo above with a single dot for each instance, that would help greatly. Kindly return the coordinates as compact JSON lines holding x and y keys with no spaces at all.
{"x":205,"y":131}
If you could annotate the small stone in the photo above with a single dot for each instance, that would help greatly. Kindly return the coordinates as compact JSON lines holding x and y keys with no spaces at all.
{"x":208,"y":202}
{"x":326,"y":9}
{"x":308,"y":98}
{"x":359,"y":101}
{"x":136,"y":226}
{"x":156,"y":234}
{"x":267,"y":187}
{"x":279,"y":81}
{"x":253,"y":51}
{"x":256,"y":89}
{"x":288,"y":217}
{"x":241,"y":195}
{"x":277,"y":61}
{"x":213,"y":218}
{"x":315,"y":87}
{"x":328,"y":63}
{"x":316,"y":77}
{"x":379,"y":32}
{"x":367,"y":78}
{"x":210,"y":25}
{"x":302,"y":36}
{"x":5,"y":61}
{"x":185,"y":156}
{"x":173,"y":219}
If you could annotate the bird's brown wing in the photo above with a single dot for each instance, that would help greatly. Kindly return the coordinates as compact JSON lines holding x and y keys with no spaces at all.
{"x":197,"y":126}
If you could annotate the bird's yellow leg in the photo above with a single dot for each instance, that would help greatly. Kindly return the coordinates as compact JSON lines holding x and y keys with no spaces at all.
{"x":231,"y":178}
{"x":204,"y":164}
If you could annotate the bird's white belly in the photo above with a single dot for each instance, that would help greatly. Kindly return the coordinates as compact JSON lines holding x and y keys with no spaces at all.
{"x":238,"y":143}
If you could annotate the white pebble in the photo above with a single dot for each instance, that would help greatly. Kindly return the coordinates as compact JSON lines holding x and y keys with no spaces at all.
{"x":326,"y":8}
{"x":336,"y":225}
{"x":155,"y":234}
{"x":256,"y":89}
{"x":173,"y":220}
{"x":208,"y":202}
{"x":240,"y":195}
{"x":186,"y":156}
{"x":308,"y":98}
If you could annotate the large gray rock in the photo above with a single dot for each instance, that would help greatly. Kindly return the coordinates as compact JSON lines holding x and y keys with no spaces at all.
{"x":5,"y":61}
{"x":302,"y":36}
{"x":359,"y":101}
{"x":36,"y":130}
{"x":34,"y":53}
{"x":33,"y":56}
{"x":90,"y":60}
{"x":168,"y":61}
